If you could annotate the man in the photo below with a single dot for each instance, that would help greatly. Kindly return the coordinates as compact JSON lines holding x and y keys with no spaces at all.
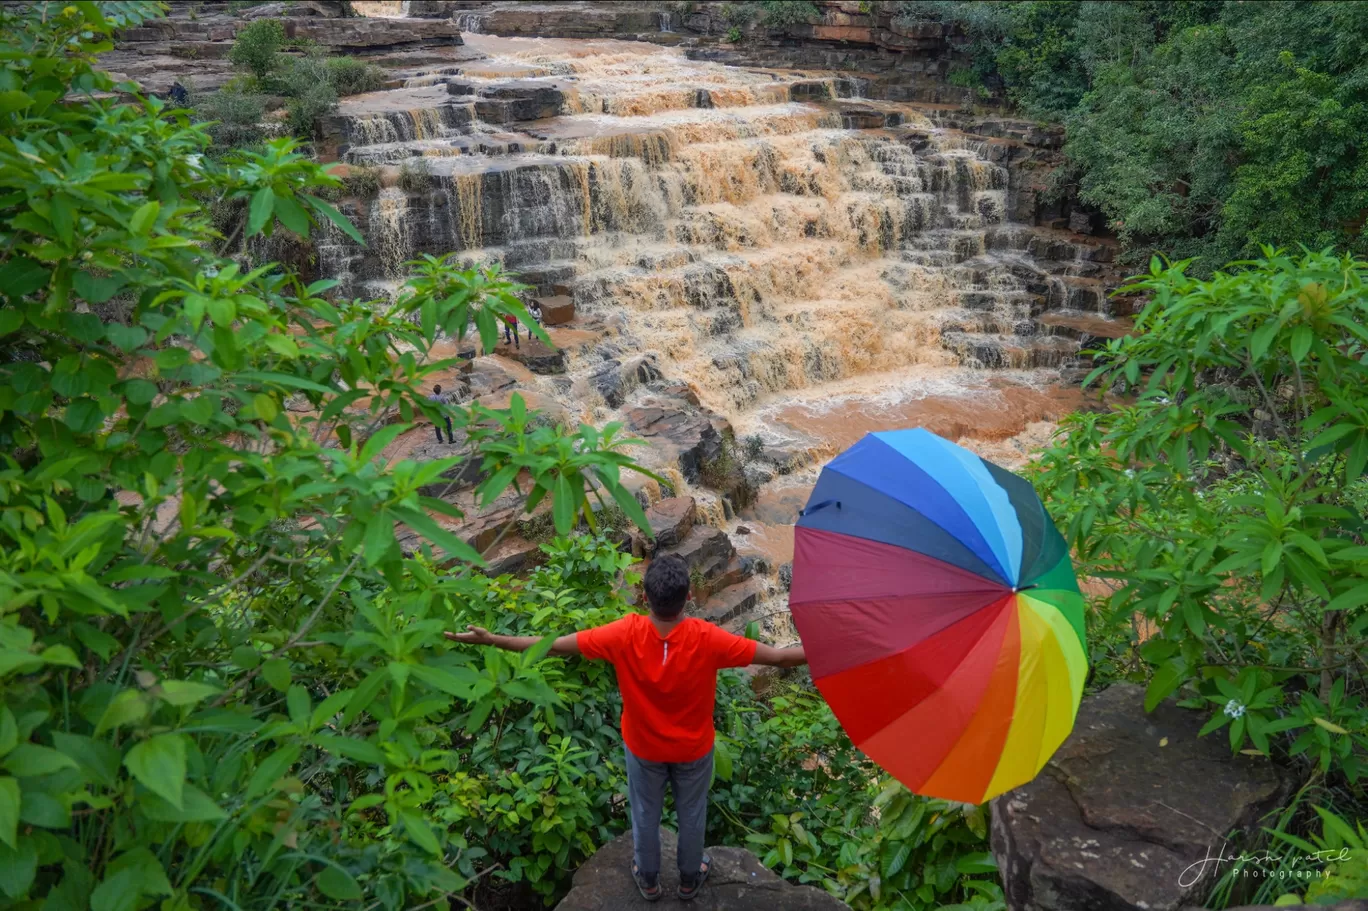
{"x":511,"y":326}
{"x":441,"y":399}
{"x":667,"y":668}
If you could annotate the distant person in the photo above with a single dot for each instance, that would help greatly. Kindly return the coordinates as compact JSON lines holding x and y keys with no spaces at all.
{"x":667,"y":668}
{"x":179,"y":96}
{"x":536,"y":315}
{"x":511,"y":326}
{"x":441,"y":399}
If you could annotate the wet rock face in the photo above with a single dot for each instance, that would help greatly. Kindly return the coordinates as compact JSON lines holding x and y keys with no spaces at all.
{"x":677,"y":423}
{"x":738,"y":882}
{"x":670,"y":520}
{"x":1119,"y":822}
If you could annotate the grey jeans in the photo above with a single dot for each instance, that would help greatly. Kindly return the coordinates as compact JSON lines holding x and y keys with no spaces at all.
{"x":646,"y":790}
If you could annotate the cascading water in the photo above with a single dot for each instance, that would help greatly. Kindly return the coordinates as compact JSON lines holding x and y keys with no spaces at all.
{"x":771,"y":238}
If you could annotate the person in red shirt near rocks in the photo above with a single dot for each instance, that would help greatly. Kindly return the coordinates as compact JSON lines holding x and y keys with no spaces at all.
{"x":667,"y":668}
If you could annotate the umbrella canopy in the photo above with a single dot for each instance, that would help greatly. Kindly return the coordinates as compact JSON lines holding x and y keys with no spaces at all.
{"x":940,"y":614}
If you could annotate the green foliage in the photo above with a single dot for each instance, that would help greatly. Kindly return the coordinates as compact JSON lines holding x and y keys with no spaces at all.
{"x":361,"y":181}
{"x":1202,"y":129}
{"x":233,"y":116}
{"x":415,"y":175}
{"x":224,"y":682}
{"x":257,"y":45}
{"x":1226,"y":501}
{"x":792,"y":787}
{"x":783,"y":13}
{"x":752,"y":447}
{"x":305,"y":80}
{"x":734,"y":35}
{"x":349,"y":76}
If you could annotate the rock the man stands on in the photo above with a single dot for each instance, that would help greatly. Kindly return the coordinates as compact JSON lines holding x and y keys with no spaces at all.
{"x":667,"y":668}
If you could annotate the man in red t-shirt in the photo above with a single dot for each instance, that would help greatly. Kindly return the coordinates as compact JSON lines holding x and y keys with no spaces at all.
{"x":667,"y":668}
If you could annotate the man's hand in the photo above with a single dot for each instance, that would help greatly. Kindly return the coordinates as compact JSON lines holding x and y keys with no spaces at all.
{"x":474,"y":635}
{"x":478,"y":635}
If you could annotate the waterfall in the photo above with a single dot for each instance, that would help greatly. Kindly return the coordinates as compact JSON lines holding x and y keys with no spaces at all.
{"x":733,"y":222}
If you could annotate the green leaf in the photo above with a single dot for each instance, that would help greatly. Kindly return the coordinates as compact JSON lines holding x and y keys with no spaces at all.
{"x":292,"y":215}
{"x":722,"y":761}
{"x":259,"y":213}
{"x":29,"y":760}
{"x":426,"y":526}
{"x":245,"y":657}
{"x":1167,"y":678}
{"x":453,"y":681}
{"x":379,"y":540}
{"x":14,"y":100}
{"x":197,"y":806}
{"x":896,"y":859}
{"x":351,"y":748}
{"x":142,"y":221}
{"x":1302,"y":337}
{"x":158,"y":763}
{"x":9,"y":730}
{"x":97,"y":289}
{"x":125,"y":708}
{"x":271,"y":770}
{"x":98,"y":759}
{"x":277,"y":674}
{"x":336,"y":218}
{"x":977,"y":862}
{"x":564,"y":503}
{"x":9,"y":811}
{"x":297,"y":701}
{"x":125,"y":338}
{"x":186,"y":692}
{"x":338,"y":884}
{"x":1355,"y":597}
{"x":420,"y":831}
{"x":18,"y":866}
{"x":10,"y":321}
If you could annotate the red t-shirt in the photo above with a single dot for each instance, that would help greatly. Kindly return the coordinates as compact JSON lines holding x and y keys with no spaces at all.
{"x":669,"y":685}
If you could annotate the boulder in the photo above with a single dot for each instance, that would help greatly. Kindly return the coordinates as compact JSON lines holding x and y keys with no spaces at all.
{"x":732,"y":602}
{"x":705,"y":549}
{"x":557,"y":310}
{"x":738,"y":882}
{"x":786,"y":575}
{"x":514,"y":555}
{"x":535,"y":356}
{"x":671,"y":520}
{"x":1124,"y":814}
{"x":516,"y":101}
{"x":688,"y":430}
{"x":615,"y":381}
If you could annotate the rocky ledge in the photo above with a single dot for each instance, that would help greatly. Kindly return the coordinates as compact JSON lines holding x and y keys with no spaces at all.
{"x":738,"y":882}
{"x":1125,"y":812}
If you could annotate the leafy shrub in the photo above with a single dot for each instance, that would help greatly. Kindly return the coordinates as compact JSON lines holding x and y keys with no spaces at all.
{"x":415,"y":175}
{"x":349,"y":76}
{"x":311,"y":96}
{"x":224,"y":683}
{"x":783,"y":13}
{"x":257,"y":47}
{"x":734,"y":35}
{"x":361,"y":181}
{"x":792,"y":787}
{"x":1226,"y":502}
{"x":234,"y":115}
{"x":752,"y":447}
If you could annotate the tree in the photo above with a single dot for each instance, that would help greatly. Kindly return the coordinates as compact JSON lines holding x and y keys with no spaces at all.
{"x":224,"y":682}
{"x":1226,"y":502}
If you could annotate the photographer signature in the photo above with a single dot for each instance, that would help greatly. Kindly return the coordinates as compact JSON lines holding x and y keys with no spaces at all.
{"x":1193,"y":874}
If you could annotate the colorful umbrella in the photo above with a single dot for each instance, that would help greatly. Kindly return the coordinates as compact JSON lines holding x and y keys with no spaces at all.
{"x":940,"y":614}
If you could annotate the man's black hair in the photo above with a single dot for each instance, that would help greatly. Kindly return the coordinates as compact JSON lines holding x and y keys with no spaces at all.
{"x":667,"y":586}
{"x":436,"y":389}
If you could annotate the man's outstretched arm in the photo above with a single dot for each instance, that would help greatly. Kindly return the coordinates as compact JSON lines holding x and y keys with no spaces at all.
{"x":478,"y":635}
{"x":793,"y":656}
